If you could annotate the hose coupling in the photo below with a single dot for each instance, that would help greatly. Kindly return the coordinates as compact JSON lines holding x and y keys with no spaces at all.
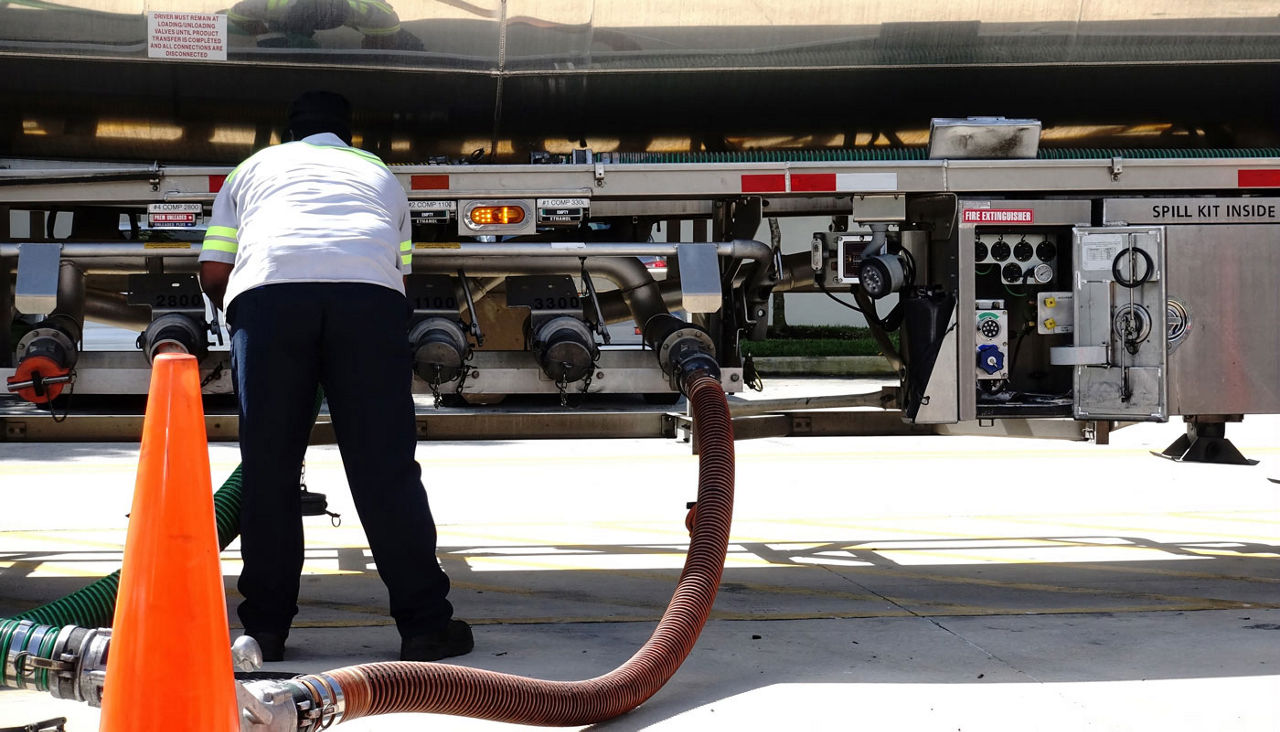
{"x":174,"y":332}
{"x":683,"y":349}
{"x":44,"y":358}
{"x":305,"y":704}
{"x":266,"y":706}
{"x":565,"y":349}
{"x":440,"y":349}
{"x":69,"y":662}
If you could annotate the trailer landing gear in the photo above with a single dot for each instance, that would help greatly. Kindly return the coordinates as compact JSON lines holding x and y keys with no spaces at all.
{"x":1206,"y":442}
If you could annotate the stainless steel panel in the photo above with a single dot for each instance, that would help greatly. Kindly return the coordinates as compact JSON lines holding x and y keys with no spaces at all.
{"x":523,"y":70}
{"x":127,"y":372}
{"x":1183,"y":211}
{"x":36,"y":292}
{"x":943,"y":395}
{"x":674,"y":34}
{"x":1130,"y":384}
{"x":1228,"y":278}
{"x":515,"y":372}
{"x":699,"y":278}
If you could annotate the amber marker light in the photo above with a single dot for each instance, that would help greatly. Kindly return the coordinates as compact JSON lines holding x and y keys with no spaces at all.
{"x":485,"y":215}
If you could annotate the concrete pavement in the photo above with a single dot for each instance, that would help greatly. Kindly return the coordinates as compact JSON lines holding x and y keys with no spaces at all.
{"x":921,"y":583}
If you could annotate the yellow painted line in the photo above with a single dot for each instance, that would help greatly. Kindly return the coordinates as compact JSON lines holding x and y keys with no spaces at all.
{"x":299,"y":623}
{"x":1058,"y":589}
{"x":956,"y":611}
{"x":41,"y":568}
{"x":314,"y":570}
{"x":978,"y":558}
{"x":1104,"y":530}
{"x":1227,"y":516}
{"x":1089,"y":514}
{"x":59,"y":537}
{"x":1141,"y":530}
{"x":223,"y":468}
{"x":1234,"y":555}
{"x":502,"y":540}
{"x":331,"y":459}
{"x":575,"y":563}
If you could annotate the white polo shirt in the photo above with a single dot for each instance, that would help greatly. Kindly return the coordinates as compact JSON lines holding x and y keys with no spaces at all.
{"x":314,"y":210}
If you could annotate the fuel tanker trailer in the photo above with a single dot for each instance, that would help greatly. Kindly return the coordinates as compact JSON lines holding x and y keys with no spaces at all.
{"x":1049,"y":212}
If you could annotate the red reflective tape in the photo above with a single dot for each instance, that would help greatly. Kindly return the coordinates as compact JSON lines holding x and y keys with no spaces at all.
{"x":802,"y":182}
{"x":216,"y":182}
{"x":769,"y":183}
{"x":1258,"y":178}
{"x":429,"y":182}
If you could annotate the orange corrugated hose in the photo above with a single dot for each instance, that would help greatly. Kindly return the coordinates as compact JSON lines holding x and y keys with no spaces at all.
{"x":388,"y":688}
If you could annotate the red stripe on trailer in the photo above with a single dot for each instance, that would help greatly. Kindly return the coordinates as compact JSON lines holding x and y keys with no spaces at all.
{"x":1258,"y":178}
{"x":429,"y":182}
{"x":812,"y":182}
{"x":767,"y":183}
{"x":216,"y":182}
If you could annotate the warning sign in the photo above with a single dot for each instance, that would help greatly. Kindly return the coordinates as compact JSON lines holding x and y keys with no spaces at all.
{"x":997,"y":216}
{"x":192,"y":36}
{"x":173,"y":215}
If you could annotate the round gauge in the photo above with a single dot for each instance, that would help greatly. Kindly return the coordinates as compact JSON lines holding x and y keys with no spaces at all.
{"x":1022,"y":251}
{"x":1046,"y":251}
{"x":979,"y":251}
{"x":1000,"y":251}
{"x":1012,"y":272}
{"x":989,"y":328}
{"x":1042,"y":274}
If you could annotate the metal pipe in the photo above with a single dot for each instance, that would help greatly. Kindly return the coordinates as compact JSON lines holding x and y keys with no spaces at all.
{"x":112,"y":308}
{"x":797,"y":272}
{"x":641,"y":298}
{"x":71,"y":296}
{"x":637,"y":296}
{"x":882,"y":399}
{"x":737,"y":249}
{"x":480,"y":287}
{"x":75,"y":250}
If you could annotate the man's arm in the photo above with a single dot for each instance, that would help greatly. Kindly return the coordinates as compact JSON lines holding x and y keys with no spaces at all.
{"x":221,"y":240}
{"x":213,"y":280}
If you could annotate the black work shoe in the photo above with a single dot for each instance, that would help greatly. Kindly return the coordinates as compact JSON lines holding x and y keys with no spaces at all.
{"x":272,"y":645}
{"x":454,"y":640}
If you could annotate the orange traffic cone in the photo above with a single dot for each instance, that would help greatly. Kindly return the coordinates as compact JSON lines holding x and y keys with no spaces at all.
{"x":170,"y":661}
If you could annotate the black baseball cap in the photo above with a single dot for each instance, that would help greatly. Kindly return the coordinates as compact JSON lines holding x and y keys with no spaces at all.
{"x":320,"y":111}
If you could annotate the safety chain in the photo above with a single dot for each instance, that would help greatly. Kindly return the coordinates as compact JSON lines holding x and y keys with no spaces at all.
{"x":213,"y":376}
{"x":66,"y":410}
{"x":561,"y":386}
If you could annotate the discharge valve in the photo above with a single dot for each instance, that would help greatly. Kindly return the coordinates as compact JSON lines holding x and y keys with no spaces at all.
{"x":437,"y":335}
{"x":561,"y":340}
{"x":45,"y":357}
{"x":682,"y":348}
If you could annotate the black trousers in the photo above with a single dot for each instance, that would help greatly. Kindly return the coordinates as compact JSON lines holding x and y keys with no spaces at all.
{"x":350,"y":338}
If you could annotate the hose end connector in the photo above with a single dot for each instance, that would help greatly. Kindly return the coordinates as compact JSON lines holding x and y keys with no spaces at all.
{"x":175,"y":332}
{"x":69,"y":662}
{"x":44,"y":359}
{"x":683,"y":349}
{"x":301,"y":704}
